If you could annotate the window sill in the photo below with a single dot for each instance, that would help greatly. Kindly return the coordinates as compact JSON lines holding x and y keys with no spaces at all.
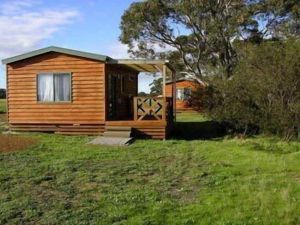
{"x":54,"y":103}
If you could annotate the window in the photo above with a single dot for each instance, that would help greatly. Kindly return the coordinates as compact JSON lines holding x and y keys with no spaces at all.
{"x":54,"y":87}
{"x":183,"y":93}
{"x":187,"y":93}
{"x":179,"y":94}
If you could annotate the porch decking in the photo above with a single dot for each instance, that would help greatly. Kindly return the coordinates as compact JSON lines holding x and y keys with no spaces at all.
{"x":153,"y":118}
{"x":135,"y":123}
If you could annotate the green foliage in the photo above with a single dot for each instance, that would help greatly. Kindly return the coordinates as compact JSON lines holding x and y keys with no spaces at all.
{"x":156,"y":87}
{"x":62,"y":180}
{"x":2,"y":93}
{"x":253,"y":89}
{"x":142,"y":94}
{"x":264,"y":92}
{"x":281,"y":18}
{"x":196,"y":35}
{"x":2,"y":105}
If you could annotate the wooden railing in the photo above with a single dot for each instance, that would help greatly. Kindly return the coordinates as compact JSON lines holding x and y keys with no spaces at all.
{"x":153,"y":108}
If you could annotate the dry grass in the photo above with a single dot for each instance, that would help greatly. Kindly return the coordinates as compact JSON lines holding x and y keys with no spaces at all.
{"x":2,"y":106}
{"x":9,"y":143}
{"x":3,"y":117}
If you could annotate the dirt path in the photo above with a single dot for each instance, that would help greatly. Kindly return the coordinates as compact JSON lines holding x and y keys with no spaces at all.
{"x":8,"y":142}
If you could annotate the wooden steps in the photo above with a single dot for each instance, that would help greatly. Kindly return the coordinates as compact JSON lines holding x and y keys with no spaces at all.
{"x":155,"y":129}
{"x":117,"y":128}
{"x":117,"y":131}
{"x":126,"y":134}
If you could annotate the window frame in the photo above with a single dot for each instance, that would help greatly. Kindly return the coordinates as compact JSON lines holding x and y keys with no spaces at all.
{"x":185,"y":97}
{"x":53,"y":74}
{"x":177,"y":90}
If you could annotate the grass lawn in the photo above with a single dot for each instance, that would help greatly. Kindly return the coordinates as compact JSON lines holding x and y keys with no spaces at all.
{"x":62,"y":180}
{"x":3,"y":117}
{"x":2,"y":105}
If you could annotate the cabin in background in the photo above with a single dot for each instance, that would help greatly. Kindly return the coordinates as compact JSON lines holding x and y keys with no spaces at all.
{"x":184,"y":90}
{"x":72,"y":92}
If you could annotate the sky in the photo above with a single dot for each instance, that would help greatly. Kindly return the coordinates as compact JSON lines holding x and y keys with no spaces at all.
{"x":86,"y":25}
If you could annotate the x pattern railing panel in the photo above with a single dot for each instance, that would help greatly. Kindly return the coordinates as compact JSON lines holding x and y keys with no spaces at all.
{"x":148,"y":107}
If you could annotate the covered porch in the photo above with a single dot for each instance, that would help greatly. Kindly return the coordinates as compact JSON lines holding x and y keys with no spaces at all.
{"x":148,"y":116}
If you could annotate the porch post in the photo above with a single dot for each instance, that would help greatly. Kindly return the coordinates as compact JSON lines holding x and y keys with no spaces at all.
{"x":135,"y":109}
{"x":164,"y":80}
{"x":164,"y":74}
{"x":174,"y":92}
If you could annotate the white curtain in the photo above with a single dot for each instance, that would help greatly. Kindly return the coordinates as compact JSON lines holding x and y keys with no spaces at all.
{"x":45,"y":87}
{"x":62,"y":84}
{"x":180,"y":94}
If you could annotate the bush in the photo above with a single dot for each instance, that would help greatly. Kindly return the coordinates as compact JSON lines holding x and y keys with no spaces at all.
{"x":263,"y":94}
{"x":2,"y":93}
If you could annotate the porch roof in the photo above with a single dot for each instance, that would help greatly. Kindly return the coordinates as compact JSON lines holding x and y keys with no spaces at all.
{"x":148,"y":66}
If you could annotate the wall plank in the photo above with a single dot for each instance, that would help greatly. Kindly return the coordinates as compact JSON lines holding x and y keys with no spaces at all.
{"x":88,"y":94}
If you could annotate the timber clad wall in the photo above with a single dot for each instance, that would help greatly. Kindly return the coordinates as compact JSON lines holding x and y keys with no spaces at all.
{"x":85,"y":113}
{"x":182,"y":105}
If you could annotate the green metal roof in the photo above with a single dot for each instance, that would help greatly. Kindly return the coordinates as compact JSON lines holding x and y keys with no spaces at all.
{"x":88,"y":55}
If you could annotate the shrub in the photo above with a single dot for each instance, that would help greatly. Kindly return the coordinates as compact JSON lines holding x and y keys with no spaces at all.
{"x":2,"y":93}
{"x":263,"y":94}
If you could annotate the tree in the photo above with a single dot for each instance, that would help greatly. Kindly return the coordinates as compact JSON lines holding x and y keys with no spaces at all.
{"x":197,"y":35}
{"x":197,"y":32}
{"x":142,"y":94}
{"x":280,"y":17}
{"x":156,"y":87}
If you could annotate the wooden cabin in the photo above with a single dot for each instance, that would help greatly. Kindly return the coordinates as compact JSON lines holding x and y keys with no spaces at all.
{"x":72,"y":92}
{"x":184,"y":89}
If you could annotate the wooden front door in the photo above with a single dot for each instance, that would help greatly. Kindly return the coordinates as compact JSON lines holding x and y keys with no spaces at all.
{"x":112,"y":105}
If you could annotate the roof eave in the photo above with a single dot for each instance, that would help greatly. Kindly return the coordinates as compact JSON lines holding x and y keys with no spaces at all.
{"x":55,"y":49}
{"x":139,"y":62}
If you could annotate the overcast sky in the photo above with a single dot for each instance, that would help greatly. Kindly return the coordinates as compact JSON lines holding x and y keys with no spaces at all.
{"x":87,"y":25}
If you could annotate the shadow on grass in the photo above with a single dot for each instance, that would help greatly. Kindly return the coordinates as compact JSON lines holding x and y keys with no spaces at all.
{"x":205,"y":130}
{"x":3,"y":117}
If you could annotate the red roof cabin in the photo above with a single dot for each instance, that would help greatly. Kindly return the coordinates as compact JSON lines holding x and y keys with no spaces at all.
{"x":184,"y":89}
